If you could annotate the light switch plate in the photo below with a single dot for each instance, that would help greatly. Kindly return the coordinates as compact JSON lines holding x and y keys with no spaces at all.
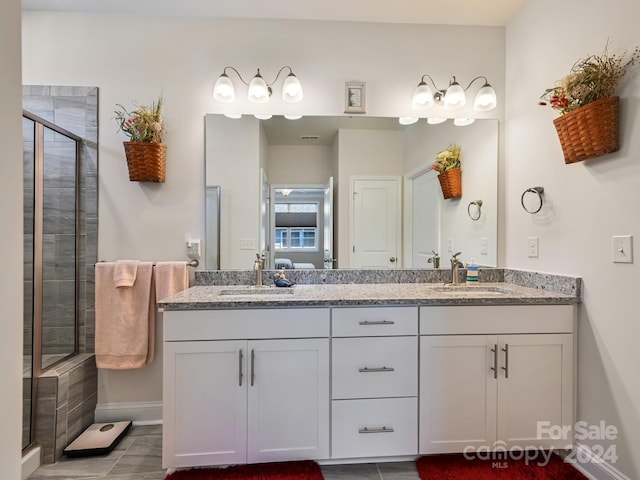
{"x":622,"y":249}
{"x":533,"y":247}
{"x":247,"y":244}
{"x":450,"y":245}
{"x":484,"y":246}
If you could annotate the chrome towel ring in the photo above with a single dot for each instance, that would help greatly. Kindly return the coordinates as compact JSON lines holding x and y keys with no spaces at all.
{"x":474,"y":210}
{"x":538,"y":191}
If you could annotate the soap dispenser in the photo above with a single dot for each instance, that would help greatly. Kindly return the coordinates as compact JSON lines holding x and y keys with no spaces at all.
{"x":472,"y":272}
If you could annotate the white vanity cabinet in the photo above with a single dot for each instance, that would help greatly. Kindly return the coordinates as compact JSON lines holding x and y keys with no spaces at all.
{"x":245,"y":386}
{"x":489,"y":374}
{"x":374,"y":382}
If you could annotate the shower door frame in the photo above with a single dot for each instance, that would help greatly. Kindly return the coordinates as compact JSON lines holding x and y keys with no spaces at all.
{"x":37,"y":281}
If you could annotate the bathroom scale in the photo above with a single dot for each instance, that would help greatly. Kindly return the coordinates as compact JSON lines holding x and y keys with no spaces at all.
{"x":98,"y":439}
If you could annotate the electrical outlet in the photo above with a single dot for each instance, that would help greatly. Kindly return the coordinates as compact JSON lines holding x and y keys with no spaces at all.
{"x":194,"y":249}
{"x":533,"y":247}
{"x":450,"y":245}
{"x":247,"y":244}
{"x":622,"y":248}
{"x":484,"y":246}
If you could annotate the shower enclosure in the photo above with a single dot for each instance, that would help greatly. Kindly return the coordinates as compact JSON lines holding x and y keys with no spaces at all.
{"x":50,"y":252}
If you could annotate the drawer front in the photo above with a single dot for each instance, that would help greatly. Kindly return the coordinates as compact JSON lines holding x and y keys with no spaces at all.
{"x":496,"y":319}
{"x":391,"y":427}
{"x":245,"y":324}
{"x":374,"y":321}
{"x":374,"y":367}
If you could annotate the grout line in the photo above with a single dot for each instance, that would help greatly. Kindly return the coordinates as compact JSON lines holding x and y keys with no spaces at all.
{"x":379,"y":472}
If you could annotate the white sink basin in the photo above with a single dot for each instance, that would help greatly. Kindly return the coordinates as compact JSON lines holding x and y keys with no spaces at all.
{"x":250,"y":290}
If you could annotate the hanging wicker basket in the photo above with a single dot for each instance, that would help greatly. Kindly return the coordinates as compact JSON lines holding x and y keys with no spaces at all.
{"x":146,"y":161}
{"x":451,"y":183}
{"x":589,"y":131}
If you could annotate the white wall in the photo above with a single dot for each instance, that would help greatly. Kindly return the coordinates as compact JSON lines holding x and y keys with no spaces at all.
{"x":587,"y":202}
{"x":11,"y":240}
{"x":136,"y":57}
{"x":363,"y":153}
{"x":300,"y":164}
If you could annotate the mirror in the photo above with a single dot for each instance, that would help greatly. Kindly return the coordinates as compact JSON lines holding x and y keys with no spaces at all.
{"x":248,"y":158}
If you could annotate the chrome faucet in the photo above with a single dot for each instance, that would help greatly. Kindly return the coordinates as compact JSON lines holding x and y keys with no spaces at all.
{"x":258,"y":265}
{"x":455,"y":269}
{"x":435,"y":259}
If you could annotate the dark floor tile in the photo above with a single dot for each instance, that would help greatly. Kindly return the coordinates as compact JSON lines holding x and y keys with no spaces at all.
{"x":359,"y":471}
{"x":398,"y":471}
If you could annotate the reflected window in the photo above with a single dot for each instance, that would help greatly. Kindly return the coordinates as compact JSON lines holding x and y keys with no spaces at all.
{"x":296,"y":226}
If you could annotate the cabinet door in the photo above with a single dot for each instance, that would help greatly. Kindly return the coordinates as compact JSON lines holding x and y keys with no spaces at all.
{"x":536,"y":385}
{"x":457,"y":392}
{"x":204,"y":403}
{"x":288,"y":413}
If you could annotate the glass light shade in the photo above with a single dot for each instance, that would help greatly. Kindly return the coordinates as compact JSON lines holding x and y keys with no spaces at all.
{"x":223,"y":90}
{"x":407,"y":120}
{"x":262,"y":116}
{"x":291,"y":89}
{"x":436,"y":120}
{"x":234,"y":116}
{"x":422,"y":97}
{"x":463,"y":122}
{"x":293,"y":117}
{"x":258,"y":90}
{"x":455,"y":97}
{"x":485,"y":99}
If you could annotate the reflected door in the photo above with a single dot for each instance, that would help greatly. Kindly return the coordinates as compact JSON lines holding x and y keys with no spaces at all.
{"x":424,"y":218}
{"x":376,"y":222}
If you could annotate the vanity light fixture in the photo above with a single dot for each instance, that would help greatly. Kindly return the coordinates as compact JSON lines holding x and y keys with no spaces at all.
{"x":407,"y":120}
{"x":259,"y":90}
{"x":262,"y":116}
{"x":463,"y":122}
{"x":436,"y":120}
{"x":453,"y":96}
{"x":291,"y":116}
{"x":234,"y":116}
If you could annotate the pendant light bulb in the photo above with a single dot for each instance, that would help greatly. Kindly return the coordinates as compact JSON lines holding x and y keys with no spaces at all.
{"x":485,"y":99}
{"x":422,"y":97}
{"x":223,"y":90}
{"x":258,"y":89}
{"x":454,"y":97}
{"x":291,"y":89}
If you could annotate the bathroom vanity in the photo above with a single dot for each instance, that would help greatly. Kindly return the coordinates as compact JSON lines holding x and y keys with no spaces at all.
{"x":363,"y":372}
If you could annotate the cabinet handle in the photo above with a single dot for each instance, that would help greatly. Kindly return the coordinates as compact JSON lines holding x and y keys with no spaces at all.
{"x":494,"y":350}
{"x":240,"y":367}
{"x":253,"y":364}
{"x":506,"y":360}
{"x":376,"y":430}
{"x":377,"y":322}
{"x":376,"y":369}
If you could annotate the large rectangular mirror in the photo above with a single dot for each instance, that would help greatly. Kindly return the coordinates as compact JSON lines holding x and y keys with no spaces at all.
{"x":386,"y":200}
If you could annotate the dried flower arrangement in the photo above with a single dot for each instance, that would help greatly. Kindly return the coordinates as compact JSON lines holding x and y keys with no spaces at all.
{"x":144,"y":124}
{"x":590,"y":79}
{"x":447,"y":159}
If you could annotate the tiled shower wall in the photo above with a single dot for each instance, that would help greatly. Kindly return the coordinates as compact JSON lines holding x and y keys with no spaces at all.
{"x":75,"y":109}
{"x":68,"y":394}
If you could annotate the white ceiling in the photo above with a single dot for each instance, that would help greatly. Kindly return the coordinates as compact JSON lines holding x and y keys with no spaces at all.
{"x":446,"y":12}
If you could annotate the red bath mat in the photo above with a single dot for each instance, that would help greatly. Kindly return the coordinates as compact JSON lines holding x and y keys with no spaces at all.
{"x":305,"y":470}
{"x":457,"y":467}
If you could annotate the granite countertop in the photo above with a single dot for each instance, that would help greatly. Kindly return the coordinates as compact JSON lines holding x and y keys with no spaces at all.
{"x":244,"y":296}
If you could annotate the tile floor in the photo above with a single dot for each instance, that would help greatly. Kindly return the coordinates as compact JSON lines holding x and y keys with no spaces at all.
{"x":139,"y":457}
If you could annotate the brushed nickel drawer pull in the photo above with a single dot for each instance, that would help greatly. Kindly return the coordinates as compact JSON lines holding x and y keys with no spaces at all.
{"x":494,"y":350}
{"x":376,"y":369}
{"x":377,"y":322}
{"x":506,"y":360}
{"x":240,"y":368}
{"x":253,"y":365}
{"x":376,"y":430}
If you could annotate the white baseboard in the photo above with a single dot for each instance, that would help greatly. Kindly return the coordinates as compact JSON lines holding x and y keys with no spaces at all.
{"x":594,"y":467}
{"x":30,"y":462}
{"x":140,"y":413}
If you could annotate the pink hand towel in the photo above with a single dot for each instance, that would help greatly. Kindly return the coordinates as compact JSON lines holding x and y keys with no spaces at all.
{"x":124,"y":273}
{"x":171,"y":277}
{"x":124,"y":318}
